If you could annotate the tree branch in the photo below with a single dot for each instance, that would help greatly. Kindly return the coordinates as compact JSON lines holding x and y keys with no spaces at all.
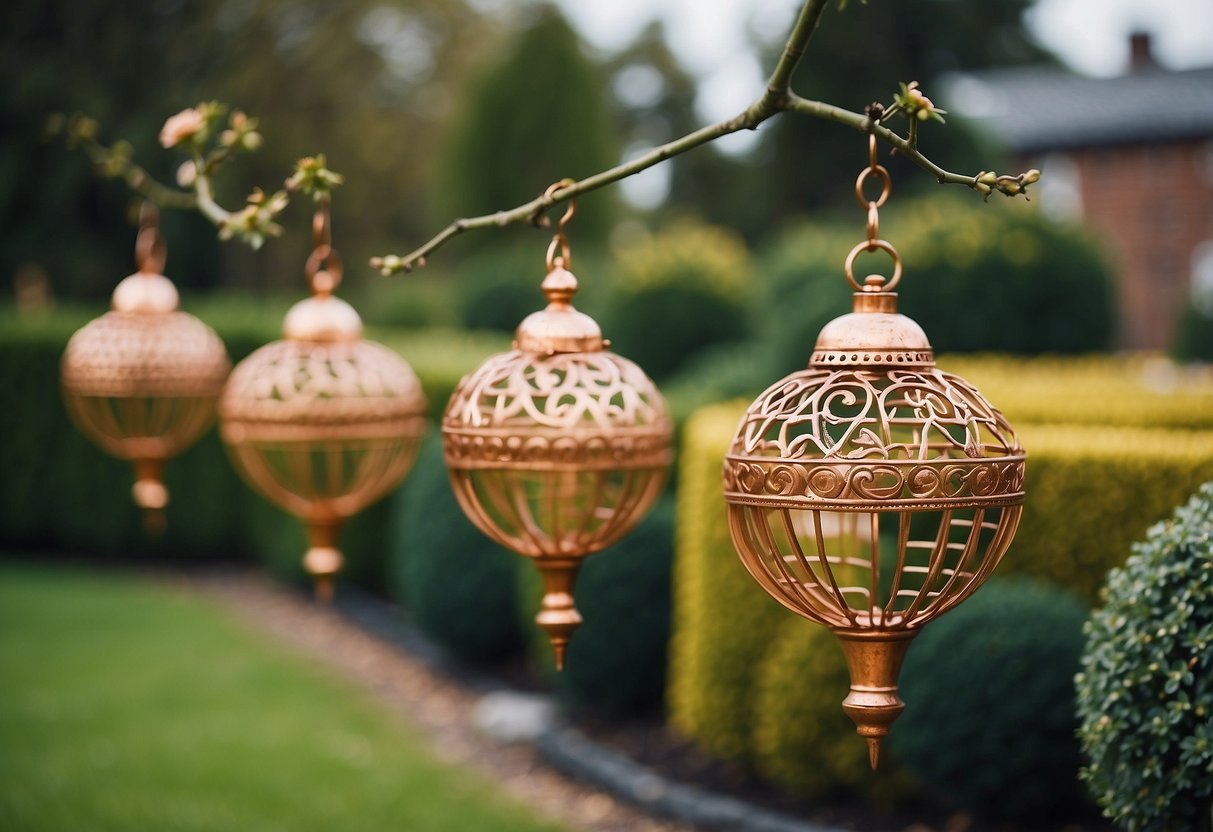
{"x":116,"y":165}
{"x":773,"y":101}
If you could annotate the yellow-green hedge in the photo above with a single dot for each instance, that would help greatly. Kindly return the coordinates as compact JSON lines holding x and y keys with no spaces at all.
{"x":723,"y":622}
{"x":1141,"y":390}
{"x":1091,"y":491}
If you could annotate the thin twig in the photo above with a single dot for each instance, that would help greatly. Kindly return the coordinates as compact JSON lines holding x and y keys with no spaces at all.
{"x":135,"y":176}
{"x":776,"y":98}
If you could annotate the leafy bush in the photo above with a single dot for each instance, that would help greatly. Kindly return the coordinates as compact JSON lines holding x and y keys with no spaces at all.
{"x":989,"y":719}
{"x":457,"y":584}
{"x":977,"y":278}
{"x":723,"y":621}
{"x":676,"y":293}
{"x":1194,"y":335}
{"x":498,"y":288}
{"x":1145,"y":693}
{"x":802,"y":737}
{"x":617,"y":657}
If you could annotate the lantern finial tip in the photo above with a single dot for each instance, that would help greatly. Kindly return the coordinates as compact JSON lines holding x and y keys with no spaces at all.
{"x":873,"y":751}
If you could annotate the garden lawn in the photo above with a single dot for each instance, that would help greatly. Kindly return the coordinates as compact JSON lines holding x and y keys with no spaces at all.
{"x":127,"y":705}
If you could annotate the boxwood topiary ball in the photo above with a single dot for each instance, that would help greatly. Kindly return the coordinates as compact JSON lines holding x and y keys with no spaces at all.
{"x":1145,"y":693}
{"x":989,"y":721}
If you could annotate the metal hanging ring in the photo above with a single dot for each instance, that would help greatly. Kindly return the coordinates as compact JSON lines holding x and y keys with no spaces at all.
{"x":873,"y":245}
{"x":873,"y":223}
{"x":150,"y":247}
{"x":886,"y":185}
{"x":322,"y":226}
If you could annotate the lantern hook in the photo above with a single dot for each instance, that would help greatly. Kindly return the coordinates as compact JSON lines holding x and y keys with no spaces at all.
{"x":564,"y":259}
{"x":324,"y":267}
{"x":150,"y":248}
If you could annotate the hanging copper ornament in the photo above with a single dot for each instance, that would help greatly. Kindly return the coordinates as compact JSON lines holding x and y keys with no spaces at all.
{"x":141,"y":381}
{"x":559,"y":447}
{"x":323,"y":422}
{"x":872,"y":492}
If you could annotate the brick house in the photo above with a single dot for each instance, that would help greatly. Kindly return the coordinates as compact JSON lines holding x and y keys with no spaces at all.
{"x":1131,"y":158}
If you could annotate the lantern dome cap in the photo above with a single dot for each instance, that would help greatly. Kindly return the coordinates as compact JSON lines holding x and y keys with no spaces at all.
{"x":560,"y":327}
{"x":145,"y":293}
{"x":873,"y":334}
{"x":322,"y":317}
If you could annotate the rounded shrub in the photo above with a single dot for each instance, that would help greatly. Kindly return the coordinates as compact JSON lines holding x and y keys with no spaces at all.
{"x":616,"y":660}
{"x":1193,"y":340}
{"x":989,"y":721}
{"x":457,"y":584}
{"x":1145,"y":693}
{"x":802,"y":738}
{"x":977,"y":277}
{"x":677,"y":292}
{"x":498,"y":288}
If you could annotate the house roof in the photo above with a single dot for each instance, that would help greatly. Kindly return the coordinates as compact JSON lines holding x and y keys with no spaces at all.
{"x":1045,"y":108}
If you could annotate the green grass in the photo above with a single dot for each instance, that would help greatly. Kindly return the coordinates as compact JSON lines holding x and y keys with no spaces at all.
{"x":125,"y":705}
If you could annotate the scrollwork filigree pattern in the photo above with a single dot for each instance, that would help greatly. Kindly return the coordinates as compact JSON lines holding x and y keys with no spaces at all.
{"x":323,"y":429}
{"x":557,"y":455}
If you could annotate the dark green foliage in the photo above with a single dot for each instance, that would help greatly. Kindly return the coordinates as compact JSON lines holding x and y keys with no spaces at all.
{"x":989,"y":720}
{"x":1145,"y":693}
{"x":498,"y":288}
{"x":321,"y":76}
{"x":616,"y":659}
{"x":457,"y":584}
{"x":1193,"y":336}
{"x":676,"y":293}
{"x":535,"y":116}
{"x":61,"y":492}
{"x":997,"y":278}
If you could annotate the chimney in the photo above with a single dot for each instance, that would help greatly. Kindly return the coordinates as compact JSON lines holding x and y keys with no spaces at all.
{"x":1141,"y":57}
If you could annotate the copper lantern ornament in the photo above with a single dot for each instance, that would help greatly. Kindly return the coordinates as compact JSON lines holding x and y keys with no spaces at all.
{"x":872,"y":492}
{"x":323,"y":422}
{"x":141,"y":381}
{"x":559,"y":447}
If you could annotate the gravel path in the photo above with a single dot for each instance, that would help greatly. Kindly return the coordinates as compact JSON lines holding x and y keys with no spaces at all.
{"x":438,"y":706}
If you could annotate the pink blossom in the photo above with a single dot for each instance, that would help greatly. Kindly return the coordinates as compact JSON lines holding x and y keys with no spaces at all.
{"x":180,"y":127}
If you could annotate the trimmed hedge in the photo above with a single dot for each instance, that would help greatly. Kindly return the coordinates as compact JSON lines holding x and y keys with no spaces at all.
{"x":61,"y":492}
{"x":801,"y":736}
{"x":1143,"y":391}
{"x":1091,"y":491}
{"x":989,"y":721}
{"x":723,"y":621}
